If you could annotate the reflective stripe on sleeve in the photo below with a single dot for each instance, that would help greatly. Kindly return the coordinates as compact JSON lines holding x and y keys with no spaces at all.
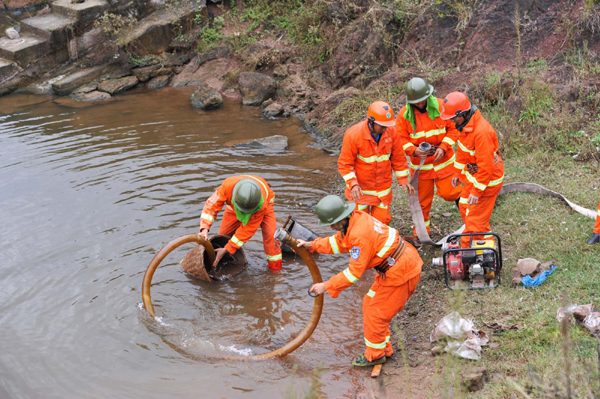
{"x":349,"y":276}
{"x":598,"y":212}
{"x":443,"y":165}
{"x":496,"y":182}
{"x":350,"y":176}
{"x":449,"y":141}
{"x":459,"y":166}
{"x":237,"y":242}
{"x":274,"y":257}
{"x":371,"y":293}
{"x":429,"y":133}
{"x":208,"y":217}
{"x":473,"y":180}
{"x":375,"y":346}
{"x":402,"y":173}
{"x":334,"y":246}
{"x":463,"y":200}
{"x":388,"y":244}
{"x":465,"y":149}
{"x":407,"y":146}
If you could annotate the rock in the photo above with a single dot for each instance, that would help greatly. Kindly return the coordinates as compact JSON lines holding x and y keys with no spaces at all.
{"x":12,"y":33}
{"x":158,"y":82}
{"x":528,"y":266}
{"x":115,"y":86}
{"x":91,"y":96}
{"x":214,"y":54}
{"x":146,"y":73}
{"x":267,"y":103}
{"x":86,"y":88}
{"x":77,"y":79}
{"x":273,"y":110}
{"x":275,"y":143}
{"x":474,"y":381}
{"x":446,"y":214}
{"x":256,"y":87}
{"x":206,"y":99}
{"x":514,"y":105}
{"x":281,"y":71}
{"x":437,"y":350}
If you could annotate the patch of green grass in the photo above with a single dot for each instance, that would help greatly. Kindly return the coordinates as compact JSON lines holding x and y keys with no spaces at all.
{"x":540,"y":227}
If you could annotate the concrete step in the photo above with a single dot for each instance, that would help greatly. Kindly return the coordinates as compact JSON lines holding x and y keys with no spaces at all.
{"x":23,"y":50}
{"x":54,"y":27}
{"x":84,"y":13}
{"x":7,"y":69}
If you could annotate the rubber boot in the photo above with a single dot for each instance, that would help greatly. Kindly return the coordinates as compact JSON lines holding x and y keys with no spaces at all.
{"x":361,"y":361}
{"x":595,"y":239}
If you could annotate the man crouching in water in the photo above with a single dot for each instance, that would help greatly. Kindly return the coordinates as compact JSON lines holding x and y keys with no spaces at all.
{"x":371,"y":244}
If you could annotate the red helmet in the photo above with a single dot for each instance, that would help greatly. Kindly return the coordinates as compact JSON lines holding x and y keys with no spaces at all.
{"x":381,"y":113}
{"x":455,"y":104}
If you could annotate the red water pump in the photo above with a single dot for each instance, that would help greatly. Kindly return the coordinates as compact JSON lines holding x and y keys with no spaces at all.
{"x":475,"y":267}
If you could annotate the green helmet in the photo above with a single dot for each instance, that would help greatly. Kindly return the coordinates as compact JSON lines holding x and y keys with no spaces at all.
{"x":332,"y":209}
{"x":246,"y":195}
{"x":417,"y":90}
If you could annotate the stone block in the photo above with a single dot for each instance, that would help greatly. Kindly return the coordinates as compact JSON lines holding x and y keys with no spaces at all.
{"x":56,"y":28}
{"x":24,"y":50}
{"x":79,"y":78}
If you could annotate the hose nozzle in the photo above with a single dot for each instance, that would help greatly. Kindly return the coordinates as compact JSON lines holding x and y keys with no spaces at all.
{"x":280,"y":234}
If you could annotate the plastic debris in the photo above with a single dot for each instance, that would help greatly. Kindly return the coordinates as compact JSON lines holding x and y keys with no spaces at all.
{"x":581,"y":313}
{"x":539,"y":279}
{"x":462,"y":339}
{"x":12,"y":33}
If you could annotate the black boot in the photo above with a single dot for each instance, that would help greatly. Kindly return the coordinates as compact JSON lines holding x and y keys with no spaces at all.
{"x":595,"y":239}
{"x":457,"y":202}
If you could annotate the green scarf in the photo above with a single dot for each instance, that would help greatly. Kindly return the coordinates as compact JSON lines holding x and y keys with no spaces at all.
{"x":433,"y":111}
{"x":245,"y":217}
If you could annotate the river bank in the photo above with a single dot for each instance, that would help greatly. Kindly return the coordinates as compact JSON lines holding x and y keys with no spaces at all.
{"x":532,"y":67}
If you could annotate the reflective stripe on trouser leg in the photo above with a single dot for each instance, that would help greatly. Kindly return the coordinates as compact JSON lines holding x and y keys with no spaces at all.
{"x":477,"y":218}
{"x":271,"y":246}
{"x":597,"y":226}
{"x":378,"y":312}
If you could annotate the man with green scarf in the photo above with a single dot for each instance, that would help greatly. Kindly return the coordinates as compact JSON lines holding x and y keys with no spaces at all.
{"x":249,"y":205}
{"x":417,"y":123}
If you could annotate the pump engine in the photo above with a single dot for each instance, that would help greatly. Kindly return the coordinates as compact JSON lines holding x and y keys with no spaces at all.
{"x":475,"y":267}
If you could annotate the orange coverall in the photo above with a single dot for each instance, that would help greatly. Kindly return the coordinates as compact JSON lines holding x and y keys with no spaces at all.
{"x":231,"y":226}
{"x":364,"y":162}
{"x":370,"y":243}
{"x":478,"y":145}
{"x":597,"y":226}
{"x":436,"y":132}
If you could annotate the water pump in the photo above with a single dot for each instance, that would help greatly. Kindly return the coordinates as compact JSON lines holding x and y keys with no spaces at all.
{"x":475,"y":267}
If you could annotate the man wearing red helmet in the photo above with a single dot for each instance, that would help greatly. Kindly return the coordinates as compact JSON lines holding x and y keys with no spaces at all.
{"x":370,"y":151}
{"x":477,"y":166}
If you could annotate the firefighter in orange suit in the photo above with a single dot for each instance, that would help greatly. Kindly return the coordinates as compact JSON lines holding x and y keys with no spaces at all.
{"x":595,"y":239}
{"x":371,"y":244}
{"x":419,"y":122}
{"x":370,"y":151}
{"x":249,"y":205}
{"x":478,"y":166}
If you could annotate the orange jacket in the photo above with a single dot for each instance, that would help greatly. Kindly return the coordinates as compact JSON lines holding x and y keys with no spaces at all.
{"x":436,"y":132}
{"x":364,"y":162}
{"x":370,"y":242}
{"x":478,"y":144}
{"x":223,"y":196}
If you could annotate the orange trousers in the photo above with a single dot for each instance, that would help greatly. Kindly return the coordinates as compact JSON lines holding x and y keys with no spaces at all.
{"x":477,"y":216}
{"x":380,"y":212}
{"x":380,"y":306}
{"x":597,"y":226}
{"x":230,"y":223}
{"x":444,"y":190}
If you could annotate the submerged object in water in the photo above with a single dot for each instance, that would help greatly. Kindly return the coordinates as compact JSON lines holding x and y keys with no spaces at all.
{"x":196,"y":262}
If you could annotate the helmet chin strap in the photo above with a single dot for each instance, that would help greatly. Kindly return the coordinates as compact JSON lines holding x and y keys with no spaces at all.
{"x":467,"y":115}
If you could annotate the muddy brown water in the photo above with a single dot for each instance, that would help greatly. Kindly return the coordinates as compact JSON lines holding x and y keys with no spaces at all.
{"x":89,"y":195}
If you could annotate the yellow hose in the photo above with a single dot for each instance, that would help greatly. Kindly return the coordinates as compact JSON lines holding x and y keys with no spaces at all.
{"x":304,"y":254}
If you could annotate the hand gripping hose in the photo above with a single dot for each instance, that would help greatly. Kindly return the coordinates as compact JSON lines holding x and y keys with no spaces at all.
{"x":280,"y":235}
{"x":419,"y":221}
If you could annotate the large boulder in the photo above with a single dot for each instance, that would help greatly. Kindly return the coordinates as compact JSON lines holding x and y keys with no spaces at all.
{"x":114,"y":86}
{"x":256,"y":87}
{"x":206,"y":99}
{"x":158,"y":82}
